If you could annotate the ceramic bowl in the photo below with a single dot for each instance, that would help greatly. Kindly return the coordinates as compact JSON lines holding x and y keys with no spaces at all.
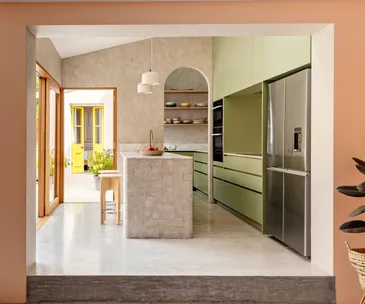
{"x":176,"y":119}
{"x":201,"y":104}
{"x":170,"y":104}
{"x":185,"y":104}
{"x":186,"y":121}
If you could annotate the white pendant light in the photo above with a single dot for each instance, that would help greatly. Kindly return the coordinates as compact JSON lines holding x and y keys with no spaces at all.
{"x":144,"y":88}
{"x":150,"y":78}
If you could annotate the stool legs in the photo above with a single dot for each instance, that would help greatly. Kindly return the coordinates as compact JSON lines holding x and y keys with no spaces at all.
{"x":102,"y":203}
{"x":108,"y":183}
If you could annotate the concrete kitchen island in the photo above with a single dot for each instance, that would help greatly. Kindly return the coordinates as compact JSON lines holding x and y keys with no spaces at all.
{"x":157,"y":196}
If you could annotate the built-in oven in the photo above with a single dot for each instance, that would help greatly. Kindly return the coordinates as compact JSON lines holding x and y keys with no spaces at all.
{"x":218,"y":145}
{"x":218,"y":131}
{"x":218,"y":114}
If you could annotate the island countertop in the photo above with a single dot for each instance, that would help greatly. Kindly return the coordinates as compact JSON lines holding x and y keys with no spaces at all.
{"x":166,"y":155}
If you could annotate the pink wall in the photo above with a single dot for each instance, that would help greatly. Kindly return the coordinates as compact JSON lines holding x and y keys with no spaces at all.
{"x":349,"y":123}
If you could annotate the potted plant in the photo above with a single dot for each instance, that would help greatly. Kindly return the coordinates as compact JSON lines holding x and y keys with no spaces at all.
{"x":356,"y":255}
{"x":100,"y":160}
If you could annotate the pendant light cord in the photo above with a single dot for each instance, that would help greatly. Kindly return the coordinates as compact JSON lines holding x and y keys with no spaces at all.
{"x":151,"y":52}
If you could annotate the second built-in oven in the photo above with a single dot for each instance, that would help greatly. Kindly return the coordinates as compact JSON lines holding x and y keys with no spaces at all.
{"x":218,"y":131}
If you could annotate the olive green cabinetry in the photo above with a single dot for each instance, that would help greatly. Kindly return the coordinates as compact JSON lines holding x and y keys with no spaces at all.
{"x":238,"y":185}
{"x":240,"y":62}
{"x":201,"y":171}
{"x":200,"y":179}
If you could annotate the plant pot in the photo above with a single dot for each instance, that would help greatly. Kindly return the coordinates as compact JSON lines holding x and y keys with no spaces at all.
{"x":97,"y":182}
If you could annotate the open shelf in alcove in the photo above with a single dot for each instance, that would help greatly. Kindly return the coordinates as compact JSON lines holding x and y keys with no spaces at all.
{"x":186,"y":108}
{"x":186,"y":91}
{"x":185,"y":125}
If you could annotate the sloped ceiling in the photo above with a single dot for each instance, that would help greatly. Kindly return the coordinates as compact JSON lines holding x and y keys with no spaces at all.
{"x":72,"y":40}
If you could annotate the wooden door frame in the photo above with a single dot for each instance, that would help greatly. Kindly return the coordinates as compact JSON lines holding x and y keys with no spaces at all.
{"x":115,"y":120}
{"x":47,"y":83}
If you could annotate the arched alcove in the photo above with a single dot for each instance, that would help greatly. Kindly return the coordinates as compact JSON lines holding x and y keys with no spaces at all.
{"x":186,"y":85}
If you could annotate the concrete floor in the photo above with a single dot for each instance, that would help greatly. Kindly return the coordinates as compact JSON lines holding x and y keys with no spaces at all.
{"x":73,"y":242}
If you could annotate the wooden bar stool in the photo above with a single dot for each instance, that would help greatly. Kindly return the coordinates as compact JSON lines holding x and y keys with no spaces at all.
{"x":110,"y":182}
{"x":109,"y":171}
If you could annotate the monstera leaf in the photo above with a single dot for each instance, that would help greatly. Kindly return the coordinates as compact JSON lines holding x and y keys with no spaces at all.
{"x":353,"y":227}
{"x":351,"y":191}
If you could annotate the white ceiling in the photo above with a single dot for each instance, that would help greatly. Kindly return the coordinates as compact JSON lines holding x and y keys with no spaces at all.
{"x":72,"y":40}
{"x":73,"y":46}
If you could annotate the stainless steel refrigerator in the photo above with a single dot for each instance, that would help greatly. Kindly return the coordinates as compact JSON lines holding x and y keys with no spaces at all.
{"x":287,"y":215}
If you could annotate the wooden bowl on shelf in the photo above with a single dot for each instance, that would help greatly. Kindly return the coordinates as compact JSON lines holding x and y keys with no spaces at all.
{"x":151,"y":153}
{"x":185,"y":105}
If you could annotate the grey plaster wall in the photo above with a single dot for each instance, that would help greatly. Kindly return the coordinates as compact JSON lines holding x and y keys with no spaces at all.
{"x":48,"y":58}
{"x":186,"y":77}
{"x":122,"y":67}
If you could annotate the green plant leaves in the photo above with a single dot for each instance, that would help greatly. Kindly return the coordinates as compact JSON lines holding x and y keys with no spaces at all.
{"x":361,"y":187}
{"x":359,"y":210}
{"x":361,"y":169}
{"x":350,"y":191}
{"x":101,"y":160}
{"x":353,"y":227}
{"x":359,"y":161}
{"x":360,"y":165}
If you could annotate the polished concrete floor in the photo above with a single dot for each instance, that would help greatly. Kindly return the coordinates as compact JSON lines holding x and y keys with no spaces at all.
{"x":81,"y":188}
{"x":73,"y":242}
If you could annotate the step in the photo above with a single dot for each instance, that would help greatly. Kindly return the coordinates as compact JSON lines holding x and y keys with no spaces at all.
{"x":181,"y":289}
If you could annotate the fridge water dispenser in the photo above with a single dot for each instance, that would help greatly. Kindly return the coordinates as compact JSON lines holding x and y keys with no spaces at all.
{"x":297,"y":139}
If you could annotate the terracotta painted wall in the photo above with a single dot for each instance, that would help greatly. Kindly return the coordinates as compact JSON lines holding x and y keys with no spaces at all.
{"x":348,"y":18}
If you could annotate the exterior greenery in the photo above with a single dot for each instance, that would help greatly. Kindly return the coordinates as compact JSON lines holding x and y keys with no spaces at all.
{"x":102,"y":160}
{"x":66,"y":163}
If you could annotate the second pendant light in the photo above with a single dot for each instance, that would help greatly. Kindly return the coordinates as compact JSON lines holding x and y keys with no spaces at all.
{"x":150,"y":78}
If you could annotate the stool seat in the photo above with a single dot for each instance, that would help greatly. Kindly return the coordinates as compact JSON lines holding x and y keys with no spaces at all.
{"x":110,"y":182}
{"x":108,"y":171}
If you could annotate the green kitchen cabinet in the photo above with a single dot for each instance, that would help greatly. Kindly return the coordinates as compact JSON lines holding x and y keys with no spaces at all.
{"x":200,"y":167}
{"x":283,"y":54}
{"x":245,"y":180}
{"x":244,"y":164}
{"x":257,"y":62}
{"x":201,"y":182}
{"x":243,"y":201}
{"x":232,"y":64}
{"x":201,"y":157}
{"x":191,"y":154}
{"x":240,"y":62}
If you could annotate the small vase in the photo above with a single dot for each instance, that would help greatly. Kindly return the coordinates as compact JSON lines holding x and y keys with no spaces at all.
{"x":97,"y":182}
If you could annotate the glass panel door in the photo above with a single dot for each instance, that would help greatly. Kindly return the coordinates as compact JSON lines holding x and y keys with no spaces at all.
{"x":98,"y":129}
{"x":77,"y":148}
{"x":52,"y":145}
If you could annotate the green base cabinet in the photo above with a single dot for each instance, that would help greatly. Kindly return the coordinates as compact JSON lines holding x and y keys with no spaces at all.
{"x":244,"y":201}
{"x":201,"y":182}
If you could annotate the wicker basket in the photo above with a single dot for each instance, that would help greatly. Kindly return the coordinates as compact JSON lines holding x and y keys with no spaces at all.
{"x":357,"y":259}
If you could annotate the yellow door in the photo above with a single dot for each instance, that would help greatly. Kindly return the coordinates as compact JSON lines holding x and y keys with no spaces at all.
{"x":98,"y":129}
{"x":77,"y":121}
